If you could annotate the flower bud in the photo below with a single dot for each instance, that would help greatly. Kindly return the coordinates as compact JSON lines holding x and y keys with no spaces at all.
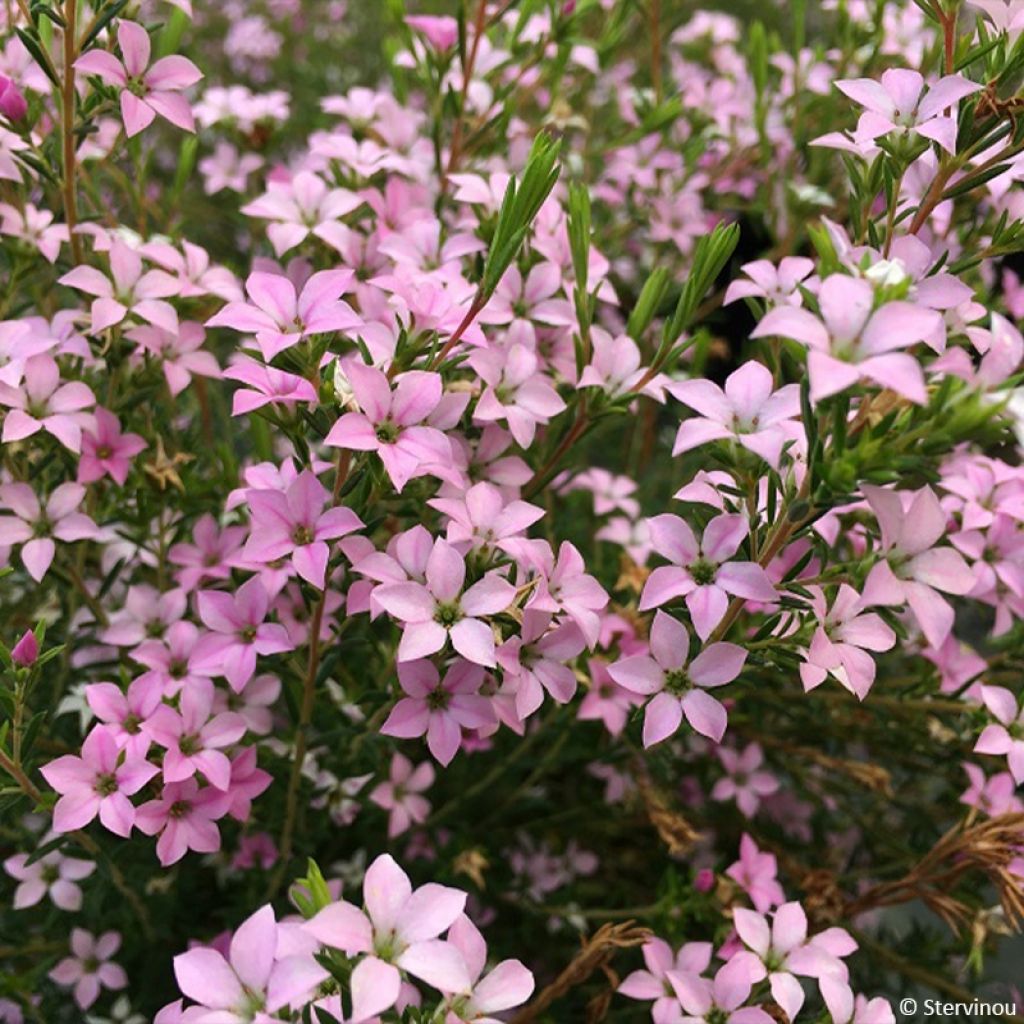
{"x":12,"y":103}
{"x":26,"y":650}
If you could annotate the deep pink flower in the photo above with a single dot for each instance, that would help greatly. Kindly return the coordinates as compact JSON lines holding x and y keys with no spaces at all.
{"x":193,"y":736}
{"x":98,"y":782}
{"x":677,"y":689}
{"x":184,"y":816}
{"x":146,"y":90}
{"x":26,"y":650}
{"x":106,"y":451}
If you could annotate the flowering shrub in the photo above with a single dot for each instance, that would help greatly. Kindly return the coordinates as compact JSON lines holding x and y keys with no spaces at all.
{"x":561,"y":482}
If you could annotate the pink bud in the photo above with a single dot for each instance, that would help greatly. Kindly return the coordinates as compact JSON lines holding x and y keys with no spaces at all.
{"x":12,"y":102}
{"x":569,"y":7}
{"x":26,"y":650}
{"x":705,"y":880}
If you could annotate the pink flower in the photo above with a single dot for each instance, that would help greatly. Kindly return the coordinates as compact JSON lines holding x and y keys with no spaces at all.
{"x":565,"y":587}
{"x":1002,"y":737}
{"x":26,"y":650}
{"x":36,"y":528}
{"x":993,"y":796}
{"x":125,"y":713}
{"x":913,"y":569}
{"x":106,"y":451}
{"x":98,"y":782}
{"x":399,"y":929}
{"x":33,"y":226}
{"x":693,"y":958}
{"x":261,"y":974}
{"x":485,"y":518}
{"x":743,"y":782}
{"x":516,"y":391}
{"x":267,"y":386}
{"x":785,"y":951}
{"x":901,"y":103}
{"x":836,"y":647}
{"x":439,"y":608}
{"x":701,"y":571}
{"x":676,"y":688}
{"x":179,"y":353}
{"x":302,"y":207}
{"x":43,"y":403}
{"x":294,"y":524}
{"x":726,"y":994}
{"x":89,"y":968}
{"x":506,"y":985}
{"x":227,"y":169}
{"x":239,"y":632}
{"x":843,"y":1007}
{"x":210,"y":554}
{"x":389,"y":422}
{"x":184,"y":816}
{"x":192,"y":738}
{"x":853,"y":341}
{"x":400,"y":796}
{"x":52,"y":875}
{"x":616,"y":368}
{"x":755,"y":872}
{"x":280,"y":317}
{"x":440,"y":30}
{"x":130,"y":292}
{"x":145,"y":90}
{"x":535,"y":661}
{"x":441,"y":709}
{"x":778,"y":286}
{"x":13,"y":104}
{"x":748,"y":410}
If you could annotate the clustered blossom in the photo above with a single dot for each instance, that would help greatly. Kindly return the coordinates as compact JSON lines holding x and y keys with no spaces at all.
{"x":388,"y":472}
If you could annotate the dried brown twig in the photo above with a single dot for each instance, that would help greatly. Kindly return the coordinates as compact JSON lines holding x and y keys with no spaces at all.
{"x":595,"y":955}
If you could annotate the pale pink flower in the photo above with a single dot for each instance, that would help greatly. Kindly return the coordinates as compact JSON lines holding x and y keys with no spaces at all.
{"x":693,"y":958}
{"x":843,"y":636}
{"x":90,"y":968}
{"x":724,"y":996}
{"x":484,"y":518}
{"x":756,"y":873}
{"x":439,"y":708}
{"x":391,"y":423}
{"x":35,"y":227}
{"x":913,"y":569}
{"x":280,"y":317}
{"x":852,"y":340}
{"x":844,"y":1007}
{"x":1002,"y":737}
{"x":267,"y":385}
{"x":128,"y":291}
{"x":226,"y":168}
{"x":702,"y":572}
{"x":52,"y":875}
{"x":744,"y":782}
{"x":180,"y":353}
{"x":901,"y":102}
{"x":262,"y":973}
{"x":748,"y":411}
{"x":97,"y":783}
{"x":778,"y":286}
{"x":42,"y":402}
{"x":146,"y":90}
{"x":400,"y":795}
{"x":37,"y":528}
{"x":301,"y":207}
{"x":125,"y":713}
{"x":504,"y":986}
{"x":677,"y":688}
{"x":239,"y":632}
{"x":294,"y":524}
{"x":441,"y":31}
{"x":399,"y":929}
{"x":439,"y":608}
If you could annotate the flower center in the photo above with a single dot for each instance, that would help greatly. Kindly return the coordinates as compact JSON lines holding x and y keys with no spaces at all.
{"x":439,"y":699}
{"x":179,"y":809}
{"x":247,"y":634}
{"x":106,"y":784}
{"x":447,"y":614}
{"x":189,"y":745}
{"x":131,"y":723}
{"x":302,"y":535}
{"x":677,"y":682}
{"x":387,"y":432}
{"x":104,"y":451}
{"x":703,"y":572}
